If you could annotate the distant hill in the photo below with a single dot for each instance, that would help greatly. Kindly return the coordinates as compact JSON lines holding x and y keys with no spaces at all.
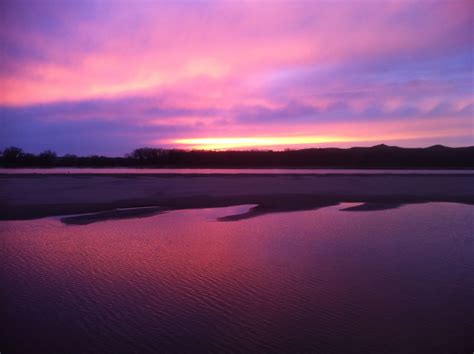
{"x":379,"y":156}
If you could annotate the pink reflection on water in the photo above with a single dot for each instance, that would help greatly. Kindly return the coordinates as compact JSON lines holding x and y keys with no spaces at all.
{"x":290,"y":280}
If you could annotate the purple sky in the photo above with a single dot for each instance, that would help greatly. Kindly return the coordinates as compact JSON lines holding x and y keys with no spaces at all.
{"x":105,"y":77}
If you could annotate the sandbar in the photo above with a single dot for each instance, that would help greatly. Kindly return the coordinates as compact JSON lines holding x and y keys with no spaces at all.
{"x":102,"y":197}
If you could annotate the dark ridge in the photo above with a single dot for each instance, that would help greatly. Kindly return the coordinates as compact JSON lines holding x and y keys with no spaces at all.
{"x":438,"y":147}
{"x":381,"y":146}
{"x":379,"y":156}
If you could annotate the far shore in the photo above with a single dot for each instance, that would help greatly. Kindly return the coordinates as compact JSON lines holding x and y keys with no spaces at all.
{"x":105,"y":197}
{"x":280,"y":170}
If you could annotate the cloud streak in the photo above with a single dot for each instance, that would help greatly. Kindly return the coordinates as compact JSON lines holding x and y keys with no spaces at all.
{"x":129,"y":74}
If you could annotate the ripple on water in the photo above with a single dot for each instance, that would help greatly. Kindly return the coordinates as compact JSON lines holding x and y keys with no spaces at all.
{"x":389,"y":281}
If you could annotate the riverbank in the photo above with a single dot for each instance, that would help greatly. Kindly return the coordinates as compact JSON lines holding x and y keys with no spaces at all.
{"x":36,"y":196}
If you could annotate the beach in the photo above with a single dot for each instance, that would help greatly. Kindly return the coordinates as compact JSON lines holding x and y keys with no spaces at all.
{"x":122,"y":196}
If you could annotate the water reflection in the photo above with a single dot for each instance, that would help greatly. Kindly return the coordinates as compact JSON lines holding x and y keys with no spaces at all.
{"x":233,"y":171}
{"x":261,"y":205}
{"x":314,"y":281}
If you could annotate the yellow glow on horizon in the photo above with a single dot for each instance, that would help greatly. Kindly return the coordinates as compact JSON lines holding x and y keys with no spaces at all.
{"x":251,"y":142}
{"x":225,"y":143}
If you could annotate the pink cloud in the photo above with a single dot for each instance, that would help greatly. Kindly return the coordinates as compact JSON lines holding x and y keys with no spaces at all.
{"x":346,"y":61}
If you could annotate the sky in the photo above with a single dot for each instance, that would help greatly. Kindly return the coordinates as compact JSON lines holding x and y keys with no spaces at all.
{"x":106,"y":77}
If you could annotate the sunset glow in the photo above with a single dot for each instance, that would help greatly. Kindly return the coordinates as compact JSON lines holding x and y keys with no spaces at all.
{"x":253,"y":142}
{"x":279,"y":142}
{"x":102,"y":77}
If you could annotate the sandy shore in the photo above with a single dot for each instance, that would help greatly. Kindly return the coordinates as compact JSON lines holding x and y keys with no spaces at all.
{"x":35,"y":196}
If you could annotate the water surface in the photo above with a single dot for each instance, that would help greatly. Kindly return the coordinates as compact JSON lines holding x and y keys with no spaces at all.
{"x":224,"y":171}
{"x":321,"y":281}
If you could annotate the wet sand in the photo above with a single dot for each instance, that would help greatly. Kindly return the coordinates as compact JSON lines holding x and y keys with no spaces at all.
{"x":104,"y":197}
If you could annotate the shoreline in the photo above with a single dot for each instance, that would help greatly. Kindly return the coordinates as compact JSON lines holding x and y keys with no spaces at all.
{"x":213,"y":174}
{"x":25,"y":197}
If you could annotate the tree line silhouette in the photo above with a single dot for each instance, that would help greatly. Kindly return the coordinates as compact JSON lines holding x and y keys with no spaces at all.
{"x":379,"y":156}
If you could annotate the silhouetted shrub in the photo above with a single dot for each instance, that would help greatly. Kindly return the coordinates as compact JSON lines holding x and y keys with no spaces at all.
{"x":380,"y":156}
{"x":12,"y":154}
{"x":47,"y":158}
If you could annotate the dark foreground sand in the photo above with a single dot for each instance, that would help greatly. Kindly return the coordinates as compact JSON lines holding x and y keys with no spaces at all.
{"x":99,"y":196}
